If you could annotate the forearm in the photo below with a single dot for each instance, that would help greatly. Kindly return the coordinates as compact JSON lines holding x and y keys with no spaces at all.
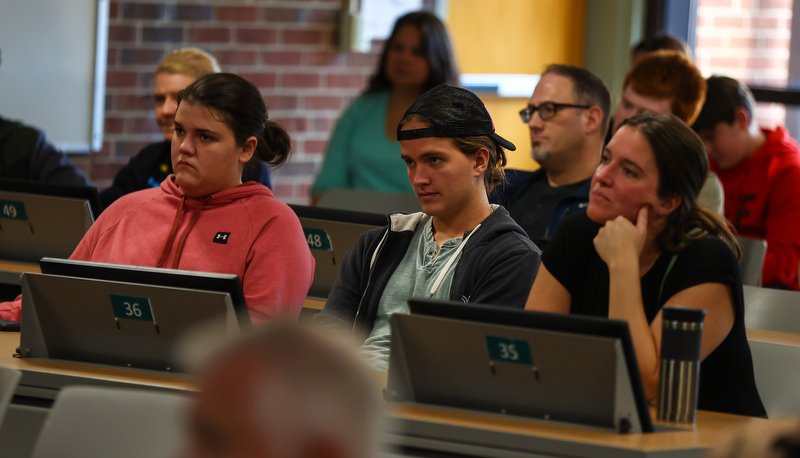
{"x":625,"y":303}
{"x":547,"y":294}
{"x":11,"y":310}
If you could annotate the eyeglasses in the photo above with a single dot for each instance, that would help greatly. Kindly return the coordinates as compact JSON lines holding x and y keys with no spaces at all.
{"x":547,"y":110}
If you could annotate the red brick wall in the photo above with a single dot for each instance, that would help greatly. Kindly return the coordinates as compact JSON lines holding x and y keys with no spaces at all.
{"x":286,"y":48}
{"x":747,"y":40}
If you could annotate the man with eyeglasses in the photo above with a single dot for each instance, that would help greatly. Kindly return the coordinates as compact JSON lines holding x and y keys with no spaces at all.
{"x":568,"y":118}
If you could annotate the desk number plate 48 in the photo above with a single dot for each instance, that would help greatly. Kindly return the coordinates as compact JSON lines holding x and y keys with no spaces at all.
{"x":317,"y":239}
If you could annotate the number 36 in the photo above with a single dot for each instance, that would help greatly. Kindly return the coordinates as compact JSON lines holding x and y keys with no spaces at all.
{"x":132,"y":309}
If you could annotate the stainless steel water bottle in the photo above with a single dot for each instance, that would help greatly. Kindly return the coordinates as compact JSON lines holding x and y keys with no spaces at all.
{"x":679,"y":378}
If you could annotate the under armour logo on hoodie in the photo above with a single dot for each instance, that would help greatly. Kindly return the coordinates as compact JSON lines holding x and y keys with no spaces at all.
{"x":222,"y":237}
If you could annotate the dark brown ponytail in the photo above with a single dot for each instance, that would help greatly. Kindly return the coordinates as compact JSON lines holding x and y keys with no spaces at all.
{"x":243,"y":110}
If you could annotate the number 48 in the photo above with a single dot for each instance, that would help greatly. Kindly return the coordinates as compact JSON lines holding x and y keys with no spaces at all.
{"x":314,"y":240}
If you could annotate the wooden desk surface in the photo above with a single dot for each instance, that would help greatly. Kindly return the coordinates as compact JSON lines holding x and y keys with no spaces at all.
{"x":9,"y":341}
{"x":18,"y":267}
{"x":11,"y":270}
{"x":314,"y":303}
{"x":710,"y":428}
{"x":776,"y":337}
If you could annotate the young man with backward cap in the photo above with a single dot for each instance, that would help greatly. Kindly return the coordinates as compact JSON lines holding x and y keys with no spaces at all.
{"x":458,"y":248}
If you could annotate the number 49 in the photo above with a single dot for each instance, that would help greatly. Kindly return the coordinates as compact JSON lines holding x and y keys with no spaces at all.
{"x":10,"y":211}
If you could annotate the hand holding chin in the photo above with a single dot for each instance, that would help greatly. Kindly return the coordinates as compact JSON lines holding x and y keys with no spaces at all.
{"x":621,"y":242}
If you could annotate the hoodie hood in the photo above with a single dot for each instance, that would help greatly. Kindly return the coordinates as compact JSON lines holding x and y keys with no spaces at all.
{"x":777,"y":144}
{"x":247,"y":189}
{"x":194,"y":207}
{"x":496,"y":224}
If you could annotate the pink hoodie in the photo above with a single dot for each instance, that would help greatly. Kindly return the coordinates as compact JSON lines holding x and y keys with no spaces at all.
{"x":244,"y":231}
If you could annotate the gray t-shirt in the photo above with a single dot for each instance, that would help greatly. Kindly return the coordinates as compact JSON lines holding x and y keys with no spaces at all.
{"x":415,"y":276}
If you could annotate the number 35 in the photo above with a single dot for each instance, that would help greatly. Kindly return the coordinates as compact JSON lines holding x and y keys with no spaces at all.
{"x":508,"y":351}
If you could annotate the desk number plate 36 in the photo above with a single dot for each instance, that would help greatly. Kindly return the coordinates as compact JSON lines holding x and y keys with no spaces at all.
{"x":132,"y":308}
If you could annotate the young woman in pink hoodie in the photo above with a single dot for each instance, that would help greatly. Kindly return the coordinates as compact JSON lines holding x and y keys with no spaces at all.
{"x":203,"y":217}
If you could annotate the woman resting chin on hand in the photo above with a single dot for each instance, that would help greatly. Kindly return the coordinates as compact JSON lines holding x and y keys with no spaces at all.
{"x":644,"y":243}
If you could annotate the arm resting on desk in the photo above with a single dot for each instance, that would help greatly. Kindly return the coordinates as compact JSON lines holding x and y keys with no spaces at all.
{"x":11,"y":310}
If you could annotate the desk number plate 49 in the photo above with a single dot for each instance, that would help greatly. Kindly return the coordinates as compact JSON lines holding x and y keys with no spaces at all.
{"x":12,"y":209}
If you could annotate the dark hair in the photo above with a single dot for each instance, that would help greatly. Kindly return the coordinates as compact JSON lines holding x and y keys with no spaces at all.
{"x":682,"y":169}
{"x":587,"y":87}
{"x":662,"y":41}
{"x":494,"y":174}
{"x":435,"y":46}
{"x":723,"y":96}
{"x":788,"y":445}
{"x":243,"y":110}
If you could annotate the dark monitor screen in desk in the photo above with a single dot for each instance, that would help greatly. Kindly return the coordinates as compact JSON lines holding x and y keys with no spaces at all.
{"x":41,"y":219}
{"x":224,"y":283}
{"x":560,"y":368}
{"x":330,"y":234}
{"x":123,"y":315}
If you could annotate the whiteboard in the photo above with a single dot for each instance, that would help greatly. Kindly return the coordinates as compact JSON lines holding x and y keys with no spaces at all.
{"x":50,"y":74}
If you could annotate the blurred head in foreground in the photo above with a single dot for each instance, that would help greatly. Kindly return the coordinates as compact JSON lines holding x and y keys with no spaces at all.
{"x":284,"y":391}
{"x":773,"y":439}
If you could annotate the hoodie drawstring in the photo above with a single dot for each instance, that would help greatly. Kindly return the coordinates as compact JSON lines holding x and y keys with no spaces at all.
{"x":173,"y":232}
{"x":185,"y":233}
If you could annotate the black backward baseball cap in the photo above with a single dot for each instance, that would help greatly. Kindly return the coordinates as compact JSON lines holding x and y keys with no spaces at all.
{"x":453,"y":112}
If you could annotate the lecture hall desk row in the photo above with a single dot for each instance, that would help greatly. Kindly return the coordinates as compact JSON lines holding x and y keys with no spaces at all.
{"x":418,"y":427}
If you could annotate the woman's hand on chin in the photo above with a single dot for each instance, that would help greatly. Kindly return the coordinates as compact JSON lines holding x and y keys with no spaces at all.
{"x":619,"y":242}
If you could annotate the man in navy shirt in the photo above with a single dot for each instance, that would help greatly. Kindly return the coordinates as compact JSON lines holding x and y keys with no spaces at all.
{"x":568,"y":118}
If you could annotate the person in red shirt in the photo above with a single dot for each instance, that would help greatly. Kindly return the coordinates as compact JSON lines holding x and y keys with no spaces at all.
{"x":760,"y":173}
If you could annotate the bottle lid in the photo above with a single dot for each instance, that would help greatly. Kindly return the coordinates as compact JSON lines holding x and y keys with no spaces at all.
{"x":673,"y":313}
